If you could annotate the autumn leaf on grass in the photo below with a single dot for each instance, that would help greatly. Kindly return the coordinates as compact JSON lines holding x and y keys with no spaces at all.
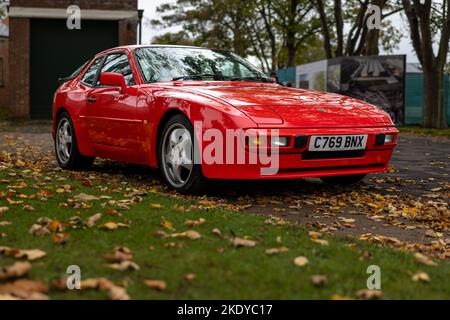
{"x":28,"y":208}
{"x":301,"y":261}
{"x":17,"y":270}
{"x":195,"y":223}
{"x":24,"y":289}
{"x":319,"y":280}
{"x":119,"y":254}
{"x":156,"y":284}
{"x":424,"y":259}
{"x":60,"y":238}
{"x":320,"y":241}
{"x":166,"y":224}
{"x":421,"y":276}
{"x":83,"y":197}
{"x":3,"y":210}
{"x":239,"y":242}
{"x":367,"y":294}
{"x":156,"y":206}
{"x":30,"y":255}
{"x":5,"y":223}
{"x":56,"y":226}
{"x":273,"y":251}
{"x":340,"y":297}
{"x":102,"y":284}
{"x":38,"y":230}
{"x":190,"y":234}
{"x":124,"y":265}
{"x":113,"y":225}
{"x":189,"y":277}
{"x":92,"y":220}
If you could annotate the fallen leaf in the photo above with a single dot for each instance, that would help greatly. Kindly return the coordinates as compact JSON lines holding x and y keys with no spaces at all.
{"x":301,"y":261}
{"x":25,"y":289}
{"x":60,"y":238}
{"x":368,"y":294}
{"x":424,"y":259}
{"x":119,"y":254}
{"x":156,"y":206}
{"x":92,"y":220}
{"x":189,"y":277}
{"x":28,"y":208}
{"x":156,"y":284}
{"x":319,"y":280}
{"x":38,"y":230}
{"x":195,"y":223}
{"x":124,"y":265}
{"x":113,"y":225}
{"x":421,"y":276}
{"x":239,"y":242}
{"x":340,"y":297}
{"x":17,"y":270}
{"x":3,"y":210}
{"x":273,"y":251}
{"x":320,"y":241}
{"x":30,"y":255}
{"x":217,"y":232}
{"x":83,"y":197}
{"x":191,"y":234}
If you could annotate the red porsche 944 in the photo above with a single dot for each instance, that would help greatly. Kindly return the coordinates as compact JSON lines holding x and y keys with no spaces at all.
{"x":201,"y":114}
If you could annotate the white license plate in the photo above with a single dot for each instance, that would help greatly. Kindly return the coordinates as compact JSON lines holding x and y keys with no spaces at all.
{"x":338,"y":143}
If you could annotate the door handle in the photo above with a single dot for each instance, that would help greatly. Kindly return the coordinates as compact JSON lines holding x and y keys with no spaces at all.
{"x":91,"y":100}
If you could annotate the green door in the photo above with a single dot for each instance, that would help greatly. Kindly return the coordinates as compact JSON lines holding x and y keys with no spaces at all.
{"x":55,"y":52}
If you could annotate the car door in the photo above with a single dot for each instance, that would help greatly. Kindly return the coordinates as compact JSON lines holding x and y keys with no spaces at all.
{"x":111,"y":115}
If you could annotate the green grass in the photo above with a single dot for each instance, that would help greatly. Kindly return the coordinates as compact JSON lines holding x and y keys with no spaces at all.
{"x":235,"y":273}
{"x":425,"y":131}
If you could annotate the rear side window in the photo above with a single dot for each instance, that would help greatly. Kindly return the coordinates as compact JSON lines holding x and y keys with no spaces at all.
{"x":118,"y":63}
{"x":91,"y":74}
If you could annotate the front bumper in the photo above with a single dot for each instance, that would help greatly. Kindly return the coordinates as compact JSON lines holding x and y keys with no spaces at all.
{"x":295,"y":163}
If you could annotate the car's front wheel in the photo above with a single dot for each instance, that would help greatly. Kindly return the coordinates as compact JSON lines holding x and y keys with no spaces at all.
{"x":176,"y":157}
{"x":343,"y":180}
{"x":66,"y":146}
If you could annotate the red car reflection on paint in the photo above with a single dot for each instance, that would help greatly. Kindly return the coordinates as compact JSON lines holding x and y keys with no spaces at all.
{"x":139,"y":104}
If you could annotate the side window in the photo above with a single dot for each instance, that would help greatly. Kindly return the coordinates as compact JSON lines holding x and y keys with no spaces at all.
{"x":91,"y":73}
{"x":118,"y":63}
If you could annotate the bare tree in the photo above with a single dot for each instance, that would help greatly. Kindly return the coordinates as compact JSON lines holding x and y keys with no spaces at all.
{"x":425,"y":21}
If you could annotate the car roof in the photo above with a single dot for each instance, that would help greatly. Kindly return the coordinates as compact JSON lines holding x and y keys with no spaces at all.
{"x":134,"y":47}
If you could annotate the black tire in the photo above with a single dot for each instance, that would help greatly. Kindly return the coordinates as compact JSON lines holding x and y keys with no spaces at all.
{"x":75,"y":160}
{"x":343,"y":180}
{"x":195,"y":182}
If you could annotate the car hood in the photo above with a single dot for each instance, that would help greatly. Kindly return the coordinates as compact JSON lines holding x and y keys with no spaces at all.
{"x":268,"y":104}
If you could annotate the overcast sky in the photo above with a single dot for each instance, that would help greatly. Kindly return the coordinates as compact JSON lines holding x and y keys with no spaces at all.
{"x":150,"y":12}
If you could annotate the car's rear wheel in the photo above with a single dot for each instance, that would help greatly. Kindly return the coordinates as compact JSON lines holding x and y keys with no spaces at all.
{"x":176,"y":157}
{"x":66,"y":146}
{"x":343,"y":180}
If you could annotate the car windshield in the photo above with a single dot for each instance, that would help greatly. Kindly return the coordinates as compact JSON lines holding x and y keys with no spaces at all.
{"x":159,"y":64}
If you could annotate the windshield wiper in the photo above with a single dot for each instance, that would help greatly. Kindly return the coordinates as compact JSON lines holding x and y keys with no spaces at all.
{"x":197,"y":76}
{"x":256,"y":78}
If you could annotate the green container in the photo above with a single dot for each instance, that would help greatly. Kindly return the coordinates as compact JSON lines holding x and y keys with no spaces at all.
{"x":415,"y":98}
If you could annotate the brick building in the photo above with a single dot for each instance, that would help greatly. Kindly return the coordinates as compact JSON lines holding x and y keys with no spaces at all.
{"x":43,"y":49}
{"x":4,"y":36}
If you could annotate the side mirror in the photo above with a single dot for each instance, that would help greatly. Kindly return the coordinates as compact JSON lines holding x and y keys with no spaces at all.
{"x":113,"y":80}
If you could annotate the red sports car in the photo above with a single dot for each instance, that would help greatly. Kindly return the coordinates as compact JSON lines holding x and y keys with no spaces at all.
{"x":201,"y":114}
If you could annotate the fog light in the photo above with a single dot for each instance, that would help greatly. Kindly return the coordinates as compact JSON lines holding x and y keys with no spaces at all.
{"x":389,"y":138}
{"x":280,"y":141}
